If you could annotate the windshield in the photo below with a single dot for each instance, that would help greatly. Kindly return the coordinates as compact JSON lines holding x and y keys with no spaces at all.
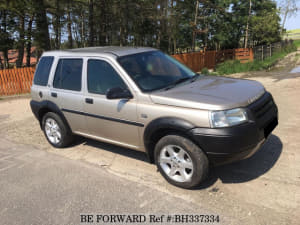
{"x":154,"y":70}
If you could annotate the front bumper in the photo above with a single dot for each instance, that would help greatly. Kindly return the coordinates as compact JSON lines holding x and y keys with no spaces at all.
{"x":225,"y":145}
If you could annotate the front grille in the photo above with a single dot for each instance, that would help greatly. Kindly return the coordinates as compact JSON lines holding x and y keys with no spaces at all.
{"x":264,"y":110}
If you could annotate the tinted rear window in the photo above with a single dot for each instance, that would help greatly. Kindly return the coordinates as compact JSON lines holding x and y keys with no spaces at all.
{"x":68,"y":74}
{"x":42,"y":72}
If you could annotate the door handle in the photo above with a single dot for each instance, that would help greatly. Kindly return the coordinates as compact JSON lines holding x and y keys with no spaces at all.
{"x":89,"y":100}
{"x":53,"y":94}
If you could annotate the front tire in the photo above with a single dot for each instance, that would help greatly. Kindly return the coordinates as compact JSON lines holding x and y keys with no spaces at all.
{"x":56,"y":132}
{"x":180,"y":161}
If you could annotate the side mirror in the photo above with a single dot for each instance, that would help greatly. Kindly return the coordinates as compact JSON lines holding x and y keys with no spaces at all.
{"x":118,"y":93}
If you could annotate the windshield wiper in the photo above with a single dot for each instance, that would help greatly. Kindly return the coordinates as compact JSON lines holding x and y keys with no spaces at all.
{"x":178,"y":81}
{"x":181,"y":80}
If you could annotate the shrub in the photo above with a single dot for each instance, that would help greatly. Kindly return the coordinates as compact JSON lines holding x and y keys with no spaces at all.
{"x":205,"y":71}
{"x":235,"y":66}
{"x":297,"y":43}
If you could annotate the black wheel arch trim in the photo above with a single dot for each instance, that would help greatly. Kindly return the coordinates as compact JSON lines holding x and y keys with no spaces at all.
{"x":160,"y":124}
{"x":36,"y":108}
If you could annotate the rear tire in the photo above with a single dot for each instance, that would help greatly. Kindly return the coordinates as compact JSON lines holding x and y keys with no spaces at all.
{"x":180,"y":161}
{"x":56,"y":131}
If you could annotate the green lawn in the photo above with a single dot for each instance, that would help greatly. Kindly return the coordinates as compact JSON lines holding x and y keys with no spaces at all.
{"x":297,"y":43}
{"x":293,"y":31}
{"x":292,"y":34}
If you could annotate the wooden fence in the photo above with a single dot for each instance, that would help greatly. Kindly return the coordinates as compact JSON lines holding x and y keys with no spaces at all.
{"x":16,"y":81}
{"x":293,"y":36}
{"x":265,"y":51}
{"x":209,"y":59}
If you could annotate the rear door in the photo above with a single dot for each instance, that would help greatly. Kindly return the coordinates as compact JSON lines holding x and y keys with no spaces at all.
{"x":110,"y":120}
{"x":67,"y":93}
{"x":39,"y":89}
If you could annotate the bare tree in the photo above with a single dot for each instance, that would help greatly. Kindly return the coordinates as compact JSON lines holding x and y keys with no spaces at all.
{"x":288,"y":8}
{"x":247,"y":26}
{"x":195,"y":26}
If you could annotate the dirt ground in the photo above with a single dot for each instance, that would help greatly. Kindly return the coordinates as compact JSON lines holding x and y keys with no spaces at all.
{"x":264,"y":189}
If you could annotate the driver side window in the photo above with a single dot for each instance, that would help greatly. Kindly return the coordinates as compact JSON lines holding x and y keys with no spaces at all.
{"x":101,"y":76}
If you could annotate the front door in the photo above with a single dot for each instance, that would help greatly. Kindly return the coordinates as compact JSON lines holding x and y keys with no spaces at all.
{"x":115,"y":120}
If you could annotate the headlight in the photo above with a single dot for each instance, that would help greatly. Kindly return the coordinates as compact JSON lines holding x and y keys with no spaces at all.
{"x":228,"y":118}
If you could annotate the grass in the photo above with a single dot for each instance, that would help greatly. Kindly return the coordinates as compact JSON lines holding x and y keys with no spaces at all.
{"x":293,"y":31}
{"x":292,"y":34}
{"x":297,"y":43}
{"x":205,"y":71}
{"x":234,"y":66}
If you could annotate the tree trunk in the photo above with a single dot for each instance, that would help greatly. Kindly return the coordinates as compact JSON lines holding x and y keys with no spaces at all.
{"x":28,"y":46}
{"x":169,"y":45}
{"x":247,"y":26}
{"x":284,"y":20}
{"x":174,"y":46}
{"x":91,"y":23}
{"x":121,"y":35}
{"x":69,"y":26}
{"x":103,"y":22}
{"x":1,"y":64}
{"x":195,"y":26}
{"x":160,"y":13}
{"x":57,"y":25}
{"x":121,"y":23}
{"x":5,"y":57}
{"x":42,"y":31}
{"x":170,"y":27}
{"x":82,"y":30}
{"x":21,"y":42}
{"x":5,"y":50}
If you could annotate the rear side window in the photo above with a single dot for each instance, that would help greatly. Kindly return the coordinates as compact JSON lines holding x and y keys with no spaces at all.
{"x":68,"y":74}
{"x":42,"y":72}
{"x":101,"y":76}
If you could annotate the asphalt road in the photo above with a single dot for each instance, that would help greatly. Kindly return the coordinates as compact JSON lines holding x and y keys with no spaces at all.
{"x":38,"y":187}
{"x":43,"y":185}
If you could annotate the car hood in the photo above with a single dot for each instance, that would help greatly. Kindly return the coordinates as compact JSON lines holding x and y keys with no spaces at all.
{"x":211,"y":93}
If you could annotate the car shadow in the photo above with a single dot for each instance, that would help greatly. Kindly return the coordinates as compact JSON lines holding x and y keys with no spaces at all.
{"x":239,"y":172}
{"x":112,"y":148}
{"x":248,"y":169}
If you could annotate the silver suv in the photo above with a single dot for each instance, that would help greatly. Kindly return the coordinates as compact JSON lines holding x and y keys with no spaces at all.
{"x":143,"y":99}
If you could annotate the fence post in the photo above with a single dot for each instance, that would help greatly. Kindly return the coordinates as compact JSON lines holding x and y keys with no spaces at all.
{"x":251,"y":54}
{"x":270,"y":50}
{"x":262,"y":53}
{"x":279,"y":47}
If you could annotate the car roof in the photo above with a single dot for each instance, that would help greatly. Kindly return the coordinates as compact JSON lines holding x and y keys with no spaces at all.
{"x":117,"y":51}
